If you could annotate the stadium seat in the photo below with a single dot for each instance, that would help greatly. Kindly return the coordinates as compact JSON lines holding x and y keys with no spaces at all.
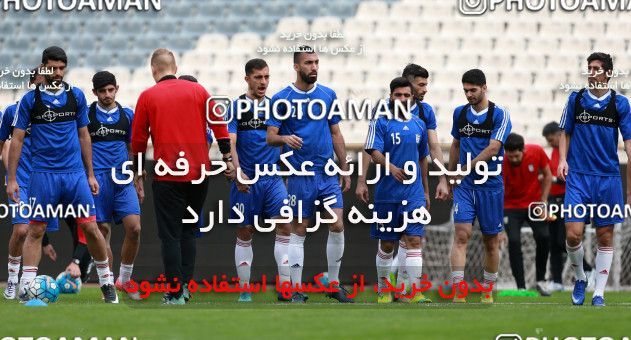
{"x":358,"y":26}
{"x":517,"y":29}
{"x":554,"y":28}
{"x":506,"y":43}
{"x":518,"y":78}
{"x":437,"y":9}
{"x":393,"y":26}
{"x":589,"y":29}
{"x":477,"y":45}
{"x":489,"y":28}
{"x":292,"y":24}
{"x":326,"y":24}
{"x":400,"y":10}
{"x":462,"y":61}
{"x":371,"y":9}
{"x":530,"y":62}
{"x":212,"y":42}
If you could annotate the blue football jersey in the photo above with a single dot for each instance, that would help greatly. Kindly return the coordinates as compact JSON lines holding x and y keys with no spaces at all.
{"x":251,"y":134}
{"x":475,"y":131}
{"x":111,"y":154}
{"x":403,"y":141}
{"x":593,"y":127}
{"x":6,"y":129}
{"x":54,"y":122}
{"x":317,"y":144}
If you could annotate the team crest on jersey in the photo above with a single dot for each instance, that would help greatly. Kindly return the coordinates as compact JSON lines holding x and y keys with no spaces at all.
{"x":418,"y":138}
{"x":531,"y":168}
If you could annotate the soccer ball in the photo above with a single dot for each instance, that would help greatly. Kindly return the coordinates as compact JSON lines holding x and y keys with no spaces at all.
{"x":44,"y":288}
{"x":68,"y":284}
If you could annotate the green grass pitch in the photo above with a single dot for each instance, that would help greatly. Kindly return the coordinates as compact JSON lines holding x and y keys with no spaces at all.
{"x":220,"y":316}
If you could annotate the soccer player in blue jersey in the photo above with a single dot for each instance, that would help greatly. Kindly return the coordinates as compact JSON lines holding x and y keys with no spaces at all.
{"x":314,"y":140}
{"x":419,"y":78}
{"x":58,"y":117}
{"x":265,"y":197}
{"x":110,"y":132}
{"x":479,"y":130}
{"x":19,"y":220}
{"x":588,"y":161}
{"x":405,"y":141}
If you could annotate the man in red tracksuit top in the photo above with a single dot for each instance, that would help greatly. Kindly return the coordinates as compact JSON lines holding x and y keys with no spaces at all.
{"x":173,"y":113}
{"x":521,"y":168}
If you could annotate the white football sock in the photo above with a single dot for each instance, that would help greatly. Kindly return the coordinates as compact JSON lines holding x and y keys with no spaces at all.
{"x":402,"y":274}
{"x":604,"y":257}
{"x":489,"y":280}
{"x":243,"y":256}
{"x":103,"y":272}
{"x":125,"y":272}
{"x":414,"y":266}
{"x":334,"y":252}
{"x":384,"y":263}
{"x":296,"y":257}
{"x":14,"y":268}
{"x":281,"y":246}
{"x":28,"y":274}
{"x":575,"y":254}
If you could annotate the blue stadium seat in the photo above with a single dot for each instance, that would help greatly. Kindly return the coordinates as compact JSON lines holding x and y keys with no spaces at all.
{"x":228,"y":26}
{"x":196,"y":26}
{"x":133,"y":60}
{"x":130,"y":26}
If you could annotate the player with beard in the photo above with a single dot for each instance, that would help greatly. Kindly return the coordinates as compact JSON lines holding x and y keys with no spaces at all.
{"x":265,"y":197}
{"x":479,"y":130}
{"x":521,"y":169}
{"x":314,"y":140}
{"x":57,"y":115}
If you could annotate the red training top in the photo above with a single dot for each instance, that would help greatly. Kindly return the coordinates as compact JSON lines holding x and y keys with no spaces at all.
{"x":173,"y":113}
{"x":556,"y":189}
{"x":521,"y":183}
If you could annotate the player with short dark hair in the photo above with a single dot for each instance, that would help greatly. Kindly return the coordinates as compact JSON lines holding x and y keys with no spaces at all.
{"x":315,"y":141}
{"x":479,"y":130}
{"x":58,"y":117}
{"x":588,"y":162}
{"x":404,"y":141}
{"x":418,"y":76}
{"x":523,"y":164}
{"x":110,"y":131}
{"x":265,"y":198}
{"x":19,"y":222}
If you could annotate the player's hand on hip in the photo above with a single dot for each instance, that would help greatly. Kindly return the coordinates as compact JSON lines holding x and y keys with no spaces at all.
{"x":94,"y":185}
{"x":361,"y":191}
{"x":345,"y":183}
{"x":442,"y":189}
{"x":293,"y":141}
{"x":562,"y":170}
{"x":397,"y":173}
{"x":50,"y":252}
{"x":13,"y":191}
{"x":73,"y":269}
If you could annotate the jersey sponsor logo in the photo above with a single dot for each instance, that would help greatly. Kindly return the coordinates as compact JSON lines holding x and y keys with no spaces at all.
{"x":531,"y":168}
{"x":586,"y":118}
{"x":418,"y":138}
{"x":51,"y":116}
{"x":469,"y":130}
{"x":104,"y":131}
